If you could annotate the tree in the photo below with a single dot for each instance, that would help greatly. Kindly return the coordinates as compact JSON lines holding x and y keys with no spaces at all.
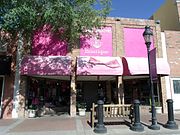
{"x":70,"y":18}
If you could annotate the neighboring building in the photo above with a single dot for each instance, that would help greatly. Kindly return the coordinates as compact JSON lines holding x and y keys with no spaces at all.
{"x":169,"y":16}
{"x":6,"y":78}
{"x":54,"y":80}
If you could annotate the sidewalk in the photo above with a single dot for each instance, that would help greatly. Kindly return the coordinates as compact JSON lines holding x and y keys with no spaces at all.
{"x":65,"y":125}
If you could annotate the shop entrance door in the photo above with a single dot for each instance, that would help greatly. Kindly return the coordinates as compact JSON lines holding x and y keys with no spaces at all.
{"x":1,"y":93}
{"x":90,"y":93}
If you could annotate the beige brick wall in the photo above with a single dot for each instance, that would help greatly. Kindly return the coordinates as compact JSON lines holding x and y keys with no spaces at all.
{"x":120,"y":23}
{"x":173,"y":51}
{"x":118,"y":36}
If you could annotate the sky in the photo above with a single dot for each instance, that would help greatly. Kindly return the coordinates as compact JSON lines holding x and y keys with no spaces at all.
{"x":135,"y":8}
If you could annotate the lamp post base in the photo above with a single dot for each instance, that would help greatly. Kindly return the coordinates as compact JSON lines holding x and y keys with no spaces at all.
{"x":100,"y":128}
{"x":171,"y":125}
{"x":154,"y":127}
{"x":137,"y":127}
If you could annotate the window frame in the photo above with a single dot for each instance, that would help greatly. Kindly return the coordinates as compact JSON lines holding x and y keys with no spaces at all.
{"x":172,"y":82}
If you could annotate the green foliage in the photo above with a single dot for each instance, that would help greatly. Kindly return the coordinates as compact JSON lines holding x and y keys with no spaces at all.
{"x":157,"y":104}
{"x":74,"y":16}
{"x":33,"y":107}
{"x":81,"y":105}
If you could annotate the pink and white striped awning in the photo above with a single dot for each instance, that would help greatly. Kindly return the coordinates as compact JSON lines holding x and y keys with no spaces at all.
{"x":139,"y":66}
{"x":46,"y":65}
{"x":94,"y":65}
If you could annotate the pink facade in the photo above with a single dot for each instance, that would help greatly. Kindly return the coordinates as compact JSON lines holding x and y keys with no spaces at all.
{"x":97,"y":47}
{"x":46,"y":43}
{"x":134,"y":44}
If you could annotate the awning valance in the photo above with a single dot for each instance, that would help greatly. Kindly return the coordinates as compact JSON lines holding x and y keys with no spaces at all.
{"x":94,"y":65}
{"x":46,"y":65}
{"x":139,"y":66}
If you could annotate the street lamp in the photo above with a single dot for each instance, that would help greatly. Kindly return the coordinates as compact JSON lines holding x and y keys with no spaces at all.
{"x":148,"y":34}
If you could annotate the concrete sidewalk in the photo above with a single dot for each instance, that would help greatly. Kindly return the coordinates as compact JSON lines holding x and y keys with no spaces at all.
{"x":65,"y":125}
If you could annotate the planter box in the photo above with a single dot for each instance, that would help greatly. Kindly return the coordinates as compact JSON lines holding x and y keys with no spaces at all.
{"x":31,"y":113}
{"x":158,"y":109}
{"x":82,"y":112}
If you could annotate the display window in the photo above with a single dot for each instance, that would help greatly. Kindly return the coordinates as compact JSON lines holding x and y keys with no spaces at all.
{"x":140,"y":89}
{"x":48,"y":95}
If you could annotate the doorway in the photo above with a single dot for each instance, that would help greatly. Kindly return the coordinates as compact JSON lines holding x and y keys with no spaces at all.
{"x":89,"y":92}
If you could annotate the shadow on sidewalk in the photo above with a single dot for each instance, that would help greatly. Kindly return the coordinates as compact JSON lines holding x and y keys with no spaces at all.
{"x":161,"y":124}
{"x":125,"y":122}
{"x":177,"y":119}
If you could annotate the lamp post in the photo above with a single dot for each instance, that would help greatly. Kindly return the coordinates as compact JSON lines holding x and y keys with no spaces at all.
{"x":148,"y":34}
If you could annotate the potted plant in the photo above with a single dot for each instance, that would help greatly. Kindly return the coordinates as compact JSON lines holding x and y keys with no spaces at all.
{"x":158,"y":107}
{"x":32,"y":111}
{"x":82,"y":108}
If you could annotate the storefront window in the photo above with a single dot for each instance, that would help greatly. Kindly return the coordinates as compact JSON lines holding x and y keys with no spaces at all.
{"x":176,"y":85}
{"x":139,"y":89}
{"x":49,"y":94}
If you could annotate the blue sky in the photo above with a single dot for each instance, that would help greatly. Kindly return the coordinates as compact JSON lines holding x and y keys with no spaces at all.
{"x":135,"y":8}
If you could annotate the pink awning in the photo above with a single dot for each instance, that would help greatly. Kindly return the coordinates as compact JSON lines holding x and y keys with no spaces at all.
{"x":139,"y":66}
{"x":42,"y":65}
{"x":94,"y":65}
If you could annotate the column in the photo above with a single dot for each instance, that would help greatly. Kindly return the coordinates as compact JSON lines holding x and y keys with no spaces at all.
{"x":73,"y":91}
{"x":120,"y":90}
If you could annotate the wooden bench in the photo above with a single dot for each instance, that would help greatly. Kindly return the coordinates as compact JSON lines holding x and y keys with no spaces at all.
{"x":111,"y":111}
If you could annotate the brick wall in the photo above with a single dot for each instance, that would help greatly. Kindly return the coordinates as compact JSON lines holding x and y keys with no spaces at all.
{"x":173,"y":51}
{"x":118,"y":36}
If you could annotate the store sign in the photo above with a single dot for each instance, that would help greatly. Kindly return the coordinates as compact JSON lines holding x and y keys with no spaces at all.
{"x":95,"y":46}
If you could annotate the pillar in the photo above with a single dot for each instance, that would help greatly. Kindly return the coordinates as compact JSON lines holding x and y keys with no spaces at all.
{"x":73,"y":91}
{"x":163,"y":94}
{"x":120,"y":90}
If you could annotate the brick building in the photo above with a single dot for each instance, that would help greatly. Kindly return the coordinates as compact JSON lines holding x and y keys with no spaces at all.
{"x":169,"y":16}
{"x":6,"y":77}
{"x":54,"y":80}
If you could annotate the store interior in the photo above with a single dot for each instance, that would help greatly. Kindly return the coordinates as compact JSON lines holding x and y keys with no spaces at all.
{"x":48,"y":96}
{"x":140,"y":89}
